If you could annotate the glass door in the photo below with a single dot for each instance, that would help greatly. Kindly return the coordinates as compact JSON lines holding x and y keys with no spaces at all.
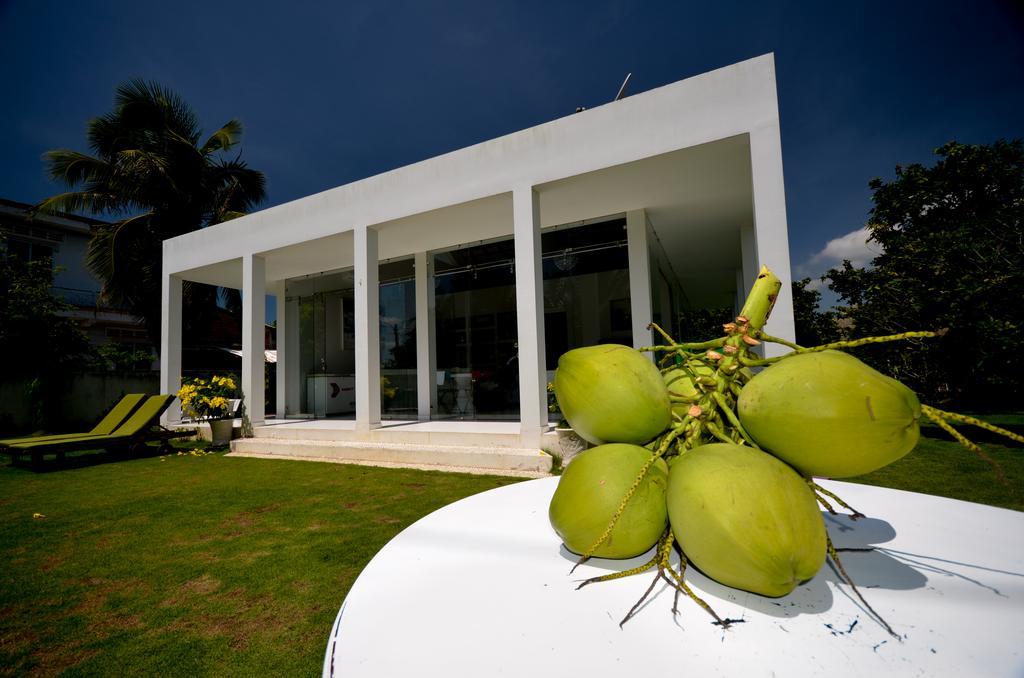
{"x":475,"y":316}
{"x":312,"y":346}
{"x":327,"y":344}
{"x":318,"y":376}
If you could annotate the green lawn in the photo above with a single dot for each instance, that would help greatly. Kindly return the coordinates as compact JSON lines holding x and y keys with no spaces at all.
{"x":944,"y":468}
{"x":211,"y":565}
{"x":203,"y":565}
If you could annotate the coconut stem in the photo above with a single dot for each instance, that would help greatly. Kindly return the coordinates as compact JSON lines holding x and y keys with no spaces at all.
{"x":661,"y":560}
{"x":723,"y":405}
{"x":761,"y":299}
{"x":964,"y":419}
{"x":696,"y":346}
{"x":937,"y":417}
{"x":852,"y":343}
{"x":819,"y":490}
{"x":849,"y":580}
{"x":679,"y":584}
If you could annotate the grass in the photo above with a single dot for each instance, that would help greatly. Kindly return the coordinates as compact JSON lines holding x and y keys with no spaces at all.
{"x":203,"y":565}
{"x":209,"y":565}
{"x":941,"y":467}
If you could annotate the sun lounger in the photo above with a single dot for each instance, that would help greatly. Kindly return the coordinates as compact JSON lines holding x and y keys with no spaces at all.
{"x":114,"y":418}
{"x":141,"y":427}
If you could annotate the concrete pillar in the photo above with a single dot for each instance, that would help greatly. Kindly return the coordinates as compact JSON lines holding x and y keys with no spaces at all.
{"x":367,"y":302}
{"x":426,"y":356}
{"x":771,"y":239}
{"x":533,"y":404}
{"x":748,"y":254}
{"x":639,"y":277}
{"x":283,"y":347}
{"x":170,"y":345}
{"x":254,"y":312}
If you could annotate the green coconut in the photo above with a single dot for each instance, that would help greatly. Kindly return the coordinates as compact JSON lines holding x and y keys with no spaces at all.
{"x":611,"y":393}
{"x":745,"y":519}
{"x":590,"y":491}
{"x":680,"y":384}
{"x":828,"y":414}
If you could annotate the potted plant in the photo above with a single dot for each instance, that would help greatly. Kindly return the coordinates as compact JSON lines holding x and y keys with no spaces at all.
{"x":210,"y":400}
{"x":569,"y":442}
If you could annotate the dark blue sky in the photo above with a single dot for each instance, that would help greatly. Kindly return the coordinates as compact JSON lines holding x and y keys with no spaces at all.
{"x":330,"y":92}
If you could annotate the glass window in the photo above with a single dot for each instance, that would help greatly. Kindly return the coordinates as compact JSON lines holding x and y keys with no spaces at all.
{"x":586,"y":287}
{"x":398,"y":339}
{"x":477,"y":354}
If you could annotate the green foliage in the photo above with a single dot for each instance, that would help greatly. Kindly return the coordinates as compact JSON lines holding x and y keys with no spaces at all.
{"x":953,"y":239}
{"x":150,"y":170}
{"x":36,"y":340}
{"x":120,"y":358}
{"x":699,"y":324}
{"x":813,"y":326}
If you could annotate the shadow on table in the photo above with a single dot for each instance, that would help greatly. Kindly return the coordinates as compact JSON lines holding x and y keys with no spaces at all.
{"x":869,"y":566}
{"x":861,"y":547}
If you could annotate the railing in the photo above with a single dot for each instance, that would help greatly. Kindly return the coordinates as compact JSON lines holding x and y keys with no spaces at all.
{"x":77,"y":297}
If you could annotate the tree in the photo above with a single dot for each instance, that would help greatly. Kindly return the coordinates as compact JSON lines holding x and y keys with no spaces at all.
{"x":35,"y":338}
{"x":150,"y":172}
{"x":697,"y":324}
{"x":813,"y":326}
{"x":38,"y":343}
{"x":953,"y":257}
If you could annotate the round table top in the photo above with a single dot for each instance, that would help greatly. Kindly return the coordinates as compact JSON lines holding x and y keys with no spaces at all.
{"x":482,"y":587}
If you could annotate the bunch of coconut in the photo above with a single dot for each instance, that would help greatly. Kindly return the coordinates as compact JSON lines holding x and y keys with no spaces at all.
{"x":697,"y":452}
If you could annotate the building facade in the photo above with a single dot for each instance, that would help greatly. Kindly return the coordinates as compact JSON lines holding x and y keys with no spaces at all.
{"x":447,"y":289}
{"x":63,"y":239}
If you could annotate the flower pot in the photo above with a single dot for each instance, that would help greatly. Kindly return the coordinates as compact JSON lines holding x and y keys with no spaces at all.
{"x":220,"y":431}
{"x":570,"y":444}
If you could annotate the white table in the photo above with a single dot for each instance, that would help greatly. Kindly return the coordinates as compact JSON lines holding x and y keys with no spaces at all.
{"x":482,"y":588}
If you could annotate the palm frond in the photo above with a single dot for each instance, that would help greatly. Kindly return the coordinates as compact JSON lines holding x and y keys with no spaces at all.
{"x":145,"y":99}
{"x":226,"y":138}
{"x":236,"y":188}
{"x":113,"y":254}
{"x":72,"y":167}
{"x":76,"y":202}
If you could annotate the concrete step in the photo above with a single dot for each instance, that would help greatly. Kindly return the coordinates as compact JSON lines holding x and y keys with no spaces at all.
{"x":476,"y":459}
{"x":403,"y":435}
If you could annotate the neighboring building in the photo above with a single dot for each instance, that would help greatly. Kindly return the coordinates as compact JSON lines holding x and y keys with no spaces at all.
{"x":64,"y":240}
{"x":460,"y":279}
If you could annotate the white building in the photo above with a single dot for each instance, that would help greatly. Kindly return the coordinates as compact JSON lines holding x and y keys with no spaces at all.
{"x":578,"y":231}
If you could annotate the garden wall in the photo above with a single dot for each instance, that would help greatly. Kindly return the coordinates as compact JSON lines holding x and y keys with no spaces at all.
{"x":75,"y":403}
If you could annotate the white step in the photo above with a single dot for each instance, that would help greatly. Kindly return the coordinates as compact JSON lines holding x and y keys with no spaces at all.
{"x":476,"y":459}
{"x":406,"y":435}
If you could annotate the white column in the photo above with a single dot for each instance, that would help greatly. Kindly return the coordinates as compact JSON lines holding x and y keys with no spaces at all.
{"x":281,"y":369}
{"x":426,"y":358}
{"x":748,"y":254}
{"x":639,"y":277}
{"x":170,"y":345}
{"x":771,"y":239}
{"x":533,"y":404}
{"x":254,"y":311}
{"x":367,"y":294}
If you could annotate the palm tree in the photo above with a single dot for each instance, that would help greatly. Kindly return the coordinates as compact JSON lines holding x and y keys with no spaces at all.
{"x":149,"y":171}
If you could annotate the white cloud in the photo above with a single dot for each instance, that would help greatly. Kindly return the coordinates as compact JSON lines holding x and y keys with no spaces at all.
{"x":853,"y":246}
{"x":817,"y":284}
